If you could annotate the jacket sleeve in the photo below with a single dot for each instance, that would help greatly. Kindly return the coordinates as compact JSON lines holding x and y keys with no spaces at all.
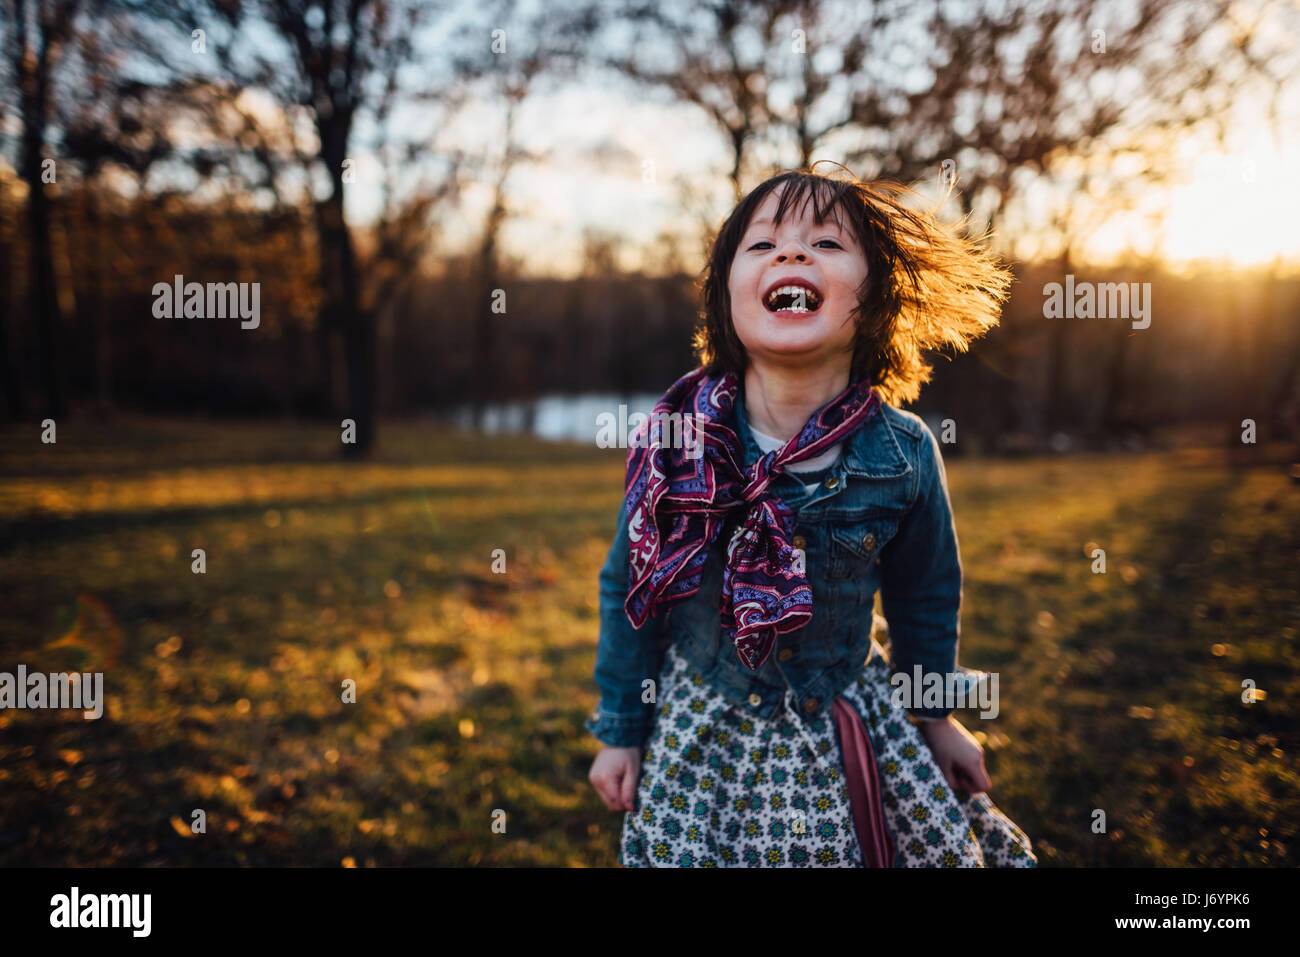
{"x":921,"y":580}
{"x":626,"y":657}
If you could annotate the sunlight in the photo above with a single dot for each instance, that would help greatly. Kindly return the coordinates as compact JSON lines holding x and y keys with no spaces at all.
{"x":1241,"y":207}
{"x":1234,"y":209}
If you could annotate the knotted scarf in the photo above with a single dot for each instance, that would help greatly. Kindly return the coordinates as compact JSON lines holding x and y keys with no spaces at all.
{"x":679,"y":494}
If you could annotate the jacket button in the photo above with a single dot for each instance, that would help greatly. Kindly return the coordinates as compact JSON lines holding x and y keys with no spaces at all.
{"x":799,"y":542}
{"x":785,"y":654}
{"x":755,"y":700}
{"x":870,"y":541}
{"x":810,"y":705}
{"x":831,"y":481}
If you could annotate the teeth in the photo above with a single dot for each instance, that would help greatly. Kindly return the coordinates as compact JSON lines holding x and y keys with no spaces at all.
{"x":792,"y":290}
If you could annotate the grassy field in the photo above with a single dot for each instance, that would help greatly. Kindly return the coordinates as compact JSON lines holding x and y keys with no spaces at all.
{"x":1120,"y":692}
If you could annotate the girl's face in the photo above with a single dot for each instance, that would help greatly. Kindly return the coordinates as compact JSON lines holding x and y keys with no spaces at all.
{"x":820,"y":267}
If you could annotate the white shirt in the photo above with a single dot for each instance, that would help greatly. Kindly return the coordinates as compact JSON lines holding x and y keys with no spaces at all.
{"x":767,"y":443}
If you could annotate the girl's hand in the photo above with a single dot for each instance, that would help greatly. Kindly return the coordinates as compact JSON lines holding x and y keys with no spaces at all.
{"x":958,"y":755}
{"x":615,"y":774}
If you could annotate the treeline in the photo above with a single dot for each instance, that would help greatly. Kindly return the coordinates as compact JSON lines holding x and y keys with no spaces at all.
{"x":1217,"y":348}
{"x":221,"y":142}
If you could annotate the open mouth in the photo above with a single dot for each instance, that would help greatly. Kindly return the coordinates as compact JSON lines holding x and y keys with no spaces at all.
{"x":794,"y":298}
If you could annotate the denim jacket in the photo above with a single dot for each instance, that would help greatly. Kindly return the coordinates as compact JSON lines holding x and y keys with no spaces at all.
{"x":881,"y":519}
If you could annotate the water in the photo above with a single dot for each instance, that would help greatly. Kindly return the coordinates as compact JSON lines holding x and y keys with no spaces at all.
{"x":562,"y":418}
{"x":578,"y":418}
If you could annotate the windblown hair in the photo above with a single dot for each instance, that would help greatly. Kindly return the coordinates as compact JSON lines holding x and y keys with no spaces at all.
{"x":927,"y":284}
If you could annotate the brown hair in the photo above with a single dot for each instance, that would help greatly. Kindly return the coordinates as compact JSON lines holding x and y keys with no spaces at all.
{"x":927,"y":284}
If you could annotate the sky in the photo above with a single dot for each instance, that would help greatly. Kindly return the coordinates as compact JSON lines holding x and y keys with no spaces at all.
{"x":615,"y":153}
{"x":600,"y":139}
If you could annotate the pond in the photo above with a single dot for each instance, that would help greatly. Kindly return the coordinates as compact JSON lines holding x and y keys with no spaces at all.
{"x":588,"y":419}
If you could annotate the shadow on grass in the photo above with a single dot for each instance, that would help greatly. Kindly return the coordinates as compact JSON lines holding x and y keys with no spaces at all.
{"x":1137,"y":723}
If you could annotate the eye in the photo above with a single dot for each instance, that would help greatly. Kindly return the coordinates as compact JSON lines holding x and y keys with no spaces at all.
{"x":765,"y":242}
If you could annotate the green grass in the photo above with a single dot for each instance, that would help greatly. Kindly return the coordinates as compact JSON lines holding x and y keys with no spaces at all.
{"x":1119,"y":692}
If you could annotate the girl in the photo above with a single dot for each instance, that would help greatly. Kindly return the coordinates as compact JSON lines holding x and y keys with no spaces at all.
{"x":737,"y":601}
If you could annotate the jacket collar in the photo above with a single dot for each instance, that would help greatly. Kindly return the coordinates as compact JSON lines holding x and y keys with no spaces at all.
{"x":871,"y":452}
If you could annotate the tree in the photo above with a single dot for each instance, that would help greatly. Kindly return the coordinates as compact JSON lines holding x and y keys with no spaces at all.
{"x":340,"y":65}
{"x":522,"y":53}
{"x":39,"y":34}
{"x":717,"y":62}
{"x":984,"y":98}
{"x":121,"y":127}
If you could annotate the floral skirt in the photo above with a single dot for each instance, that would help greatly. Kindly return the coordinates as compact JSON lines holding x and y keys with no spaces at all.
{"x":722,"y":788}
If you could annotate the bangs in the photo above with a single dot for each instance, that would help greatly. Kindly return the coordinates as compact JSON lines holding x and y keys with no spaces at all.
{"x":831,"y":200}
{"x":828,"y":198}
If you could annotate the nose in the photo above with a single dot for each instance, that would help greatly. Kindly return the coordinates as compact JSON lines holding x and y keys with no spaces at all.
{"x":791,"y":249}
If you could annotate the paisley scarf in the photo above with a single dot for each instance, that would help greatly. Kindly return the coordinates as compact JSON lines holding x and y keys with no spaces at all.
{"x":679,"y":494}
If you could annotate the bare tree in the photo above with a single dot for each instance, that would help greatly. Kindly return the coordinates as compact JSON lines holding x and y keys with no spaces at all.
{"x":983,"y":97}
{"x":716,"y":58}
{"x":39,"y":33}
{"x":121,"y":128}
{"x":523,"y":52}
{"x":335,"y":63}
{"x":903,"y":85}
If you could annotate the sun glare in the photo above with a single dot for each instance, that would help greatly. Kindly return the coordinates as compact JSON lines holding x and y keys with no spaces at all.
{"x":1242,"y":208}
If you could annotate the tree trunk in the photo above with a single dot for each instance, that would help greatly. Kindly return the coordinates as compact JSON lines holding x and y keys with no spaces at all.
{"x":34,"y":87}
{"x":1111,"y":421}
{"x":8,"y":371}
{"x":1055,"y":418}
{"x":737,"y":155}
{"x":484,"y":325}
{"x":1241,"y":404}
{"x":341,"y":305}
{"x":95,"y":280}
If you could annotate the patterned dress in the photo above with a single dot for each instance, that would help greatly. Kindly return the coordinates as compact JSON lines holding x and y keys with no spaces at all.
{"x":721,"y":788}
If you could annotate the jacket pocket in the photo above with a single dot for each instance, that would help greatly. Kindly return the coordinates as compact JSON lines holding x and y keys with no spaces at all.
{"x":856,"y":545}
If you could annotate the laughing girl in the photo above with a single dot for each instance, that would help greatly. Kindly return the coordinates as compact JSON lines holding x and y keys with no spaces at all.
{"x":746,"y":710}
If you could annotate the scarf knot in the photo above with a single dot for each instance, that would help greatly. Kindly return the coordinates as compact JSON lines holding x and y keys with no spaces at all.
{"x":689,"y":488}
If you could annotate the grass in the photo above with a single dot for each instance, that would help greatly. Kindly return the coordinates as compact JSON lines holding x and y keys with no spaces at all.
{"x":1120,"y":692}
